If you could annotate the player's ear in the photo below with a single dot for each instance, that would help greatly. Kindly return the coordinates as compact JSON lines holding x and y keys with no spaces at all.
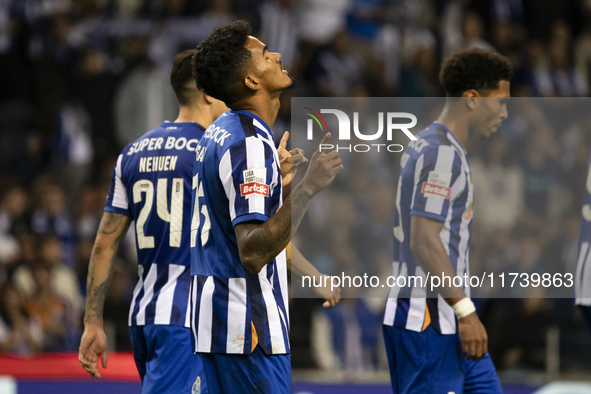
{"x":252,"y":82}
{"x":207,"y":98}
{"x":471,"y":96}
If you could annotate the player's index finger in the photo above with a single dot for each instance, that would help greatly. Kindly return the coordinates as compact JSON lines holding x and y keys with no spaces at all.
{"x":324,"y":141}
{"x":283,"y":142}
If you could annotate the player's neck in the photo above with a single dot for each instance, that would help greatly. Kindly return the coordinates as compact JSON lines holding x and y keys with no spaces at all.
{"x":194,"y":114}
{"x":456,"y":123}
{"x":263,"y":106}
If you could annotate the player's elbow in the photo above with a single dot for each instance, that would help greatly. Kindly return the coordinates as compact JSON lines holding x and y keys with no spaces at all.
{"x":252,"y":263}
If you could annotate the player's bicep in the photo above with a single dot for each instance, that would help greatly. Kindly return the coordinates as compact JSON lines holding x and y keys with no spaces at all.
{"x":424,"y":230}
{"x":435,"y":178}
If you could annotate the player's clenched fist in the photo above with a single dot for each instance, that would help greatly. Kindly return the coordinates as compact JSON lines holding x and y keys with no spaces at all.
{"x":322,"y":169}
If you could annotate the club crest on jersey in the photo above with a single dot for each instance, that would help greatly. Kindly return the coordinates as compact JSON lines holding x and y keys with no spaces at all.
{"x":254,"y":183}
{"x":196,"y":386}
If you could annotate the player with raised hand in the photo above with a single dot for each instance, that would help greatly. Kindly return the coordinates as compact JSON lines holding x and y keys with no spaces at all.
{"x":151,"y":185}
{"x":240,"y":318}
{"x":435,"y":342}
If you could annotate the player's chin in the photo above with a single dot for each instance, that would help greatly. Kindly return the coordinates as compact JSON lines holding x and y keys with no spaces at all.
{"x":290,"y":82}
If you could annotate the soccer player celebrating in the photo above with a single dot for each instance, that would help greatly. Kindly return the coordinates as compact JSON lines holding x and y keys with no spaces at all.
{"x":151,"y":184}
{"x":583,"y":270}
{"x":430,"y":348}
{"x":240,"y":319}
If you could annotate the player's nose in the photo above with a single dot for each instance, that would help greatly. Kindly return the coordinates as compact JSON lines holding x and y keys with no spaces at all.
{"x":504,"y":114}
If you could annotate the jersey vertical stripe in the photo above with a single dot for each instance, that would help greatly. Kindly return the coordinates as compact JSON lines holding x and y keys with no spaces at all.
{"x":434,"y":183}
{"x":151,"y":183}
{"x":240,"y":181}
{"x":583,"y":270}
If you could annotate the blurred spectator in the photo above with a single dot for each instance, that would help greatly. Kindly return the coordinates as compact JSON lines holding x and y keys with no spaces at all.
{"x":278,"y":29}
{"x":558,"y":76}
{"x":53,"y":218}
{"x":321,"y":20}
{"x":19,"y":333}
{"x":498,"y":187}
{"x":336,"y":71}
{"x":142,"y":100}
{"x":48,"y":310}
{"x":13,"y":204}
{"x":62,"y":279}
{"x":75,"y":149}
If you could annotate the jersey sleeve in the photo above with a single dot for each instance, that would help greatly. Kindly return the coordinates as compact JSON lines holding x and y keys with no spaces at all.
{"x":117,"y":198}
{"x":438,"y":180}
{"x":247,"y":172}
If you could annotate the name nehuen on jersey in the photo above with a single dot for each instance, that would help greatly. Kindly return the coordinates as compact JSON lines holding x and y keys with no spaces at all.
{"x":158,"y":163}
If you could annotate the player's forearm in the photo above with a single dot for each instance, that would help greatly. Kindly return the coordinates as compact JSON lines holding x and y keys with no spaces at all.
{"x":433,"y":258}
{"x":299,"y":265}
{"x":110,"y":234}
{"x":258,"y":244}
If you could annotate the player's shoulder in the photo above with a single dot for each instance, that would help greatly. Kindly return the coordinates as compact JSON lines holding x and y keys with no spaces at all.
{"x":231,"y":129}
{"x":433,"y":145}
{"x":435,"y":141}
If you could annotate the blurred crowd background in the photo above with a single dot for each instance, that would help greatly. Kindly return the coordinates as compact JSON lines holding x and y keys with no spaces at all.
{"x":82,"y":78}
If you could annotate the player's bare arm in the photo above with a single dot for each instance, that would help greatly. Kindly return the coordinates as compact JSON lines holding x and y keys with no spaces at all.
{"x":427,"y":247}
{"x":299,"y":266}
{"x":259,"y":243}
{"x":93,"y":344}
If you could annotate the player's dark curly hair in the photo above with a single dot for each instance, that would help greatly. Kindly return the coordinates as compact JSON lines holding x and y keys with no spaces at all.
{"x":474,"y":68}
{"x":221,"y":61}
{"x":182,"y":72}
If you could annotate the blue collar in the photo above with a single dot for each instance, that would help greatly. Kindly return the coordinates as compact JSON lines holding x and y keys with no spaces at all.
{"x":168,"y":123}
{"x":248,"y":113}
{"x":442,"y":126}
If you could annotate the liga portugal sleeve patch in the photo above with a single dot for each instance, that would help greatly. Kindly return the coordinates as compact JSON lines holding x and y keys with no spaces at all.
{"x":437,"y":184}
{"x":254,"y":183}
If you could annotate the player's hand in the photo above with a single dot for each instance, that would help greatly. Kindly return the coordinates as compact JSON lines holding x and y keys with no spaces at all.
{"x":93,"y":346}
{"x":289,"y":161}
{"x":473,"y":337}
{"x":322,"y":169}
{"x":331,"y":297}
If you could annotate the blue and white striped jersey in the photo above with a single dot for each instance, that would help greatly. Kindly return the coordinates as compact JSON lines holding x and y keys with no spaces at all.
{"x":434,"y":182}
{"x":583,"y":272}
{"x":151,"y":183}
{"x":236,"y":179}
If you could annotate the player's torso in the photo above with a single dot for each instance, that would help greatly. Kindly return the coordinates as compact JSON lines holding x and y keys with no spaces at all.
{"x":437,"y":193}
{"x":213,"y":233}
{"x":237,"y":179}
{"x":435,"y":182}
{"x":156,"y":170}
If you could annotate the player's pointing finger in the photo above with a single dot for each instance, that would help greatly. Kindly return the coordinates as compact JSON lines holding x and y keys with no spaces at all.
{"x":324,"y":141}
{"x":283,"y":142}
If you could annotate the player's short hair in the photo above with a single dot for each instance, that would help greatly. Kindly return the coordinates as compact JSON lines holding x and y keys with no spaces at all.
{"x":182,"y":72}
{"x":474,"y":68}
{"x":221,"y":61}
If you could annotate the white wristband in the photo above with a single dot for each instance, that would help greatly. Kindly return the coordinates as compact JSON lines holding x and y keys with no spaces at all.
{"x":464,"y":307}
